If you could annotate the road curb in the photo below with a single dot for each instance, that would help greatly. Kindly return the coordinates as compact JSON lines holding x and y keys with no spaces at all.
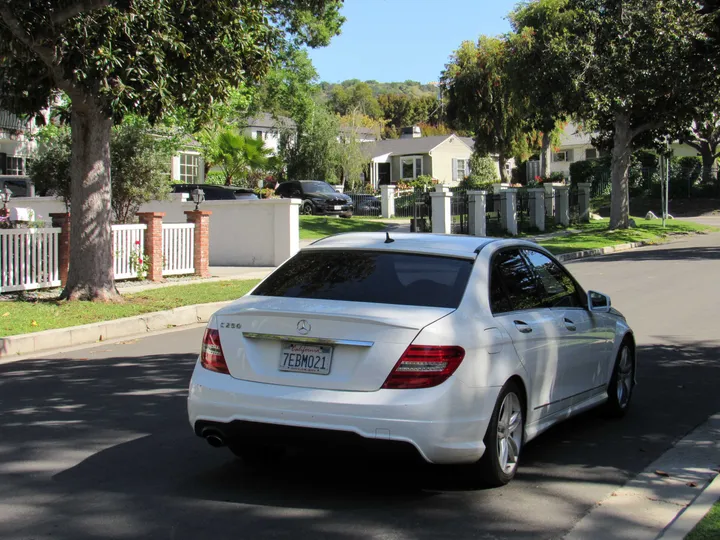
{"x":652,"y":504}
{"x":37,"y":342}
{"x":601,"y":251}
{"x":693,"y":513}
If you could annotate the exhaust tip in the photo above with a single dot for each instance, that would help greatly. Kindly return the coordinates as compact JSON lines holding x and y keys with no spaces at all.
{"x":214,"y":438}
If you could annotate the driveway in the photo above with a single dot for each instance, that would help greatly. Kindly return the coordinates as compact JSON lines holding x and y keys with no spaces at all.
{"x":96,"y":444}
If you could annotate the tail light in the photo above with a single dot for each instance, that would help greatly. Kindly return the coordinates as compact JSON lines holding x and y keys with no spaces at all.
{"x":211,"y":353}
{"x":424,"y":366}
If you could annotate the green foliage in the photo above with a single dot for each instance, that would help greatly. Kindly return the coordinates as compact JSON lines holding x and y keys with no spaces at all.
{"x":310,"y":152}
{"x":356,"y":98}
{"x":215,"y":178}
{"x":423,"y":182}
{"x":400,"y":110}
{"x":482,"y":99}
{"x":49,"y":168}
{"x":236,"y":155}
{"x":483,"y":172}
{"x":146,"y":58}
{"x":140,"y":165}
{"x":408,"y":88}
{"x":140,"y":158}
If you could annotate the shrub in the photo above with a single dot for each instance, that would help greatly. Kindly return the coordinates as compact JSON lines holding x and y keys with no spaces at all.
{"x":215,"y":178}
{"x":483,"y":170}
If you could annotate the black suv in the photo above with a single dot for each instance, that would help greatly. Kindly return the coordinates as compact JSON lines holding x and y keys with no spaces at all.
{"x":318,"y":197}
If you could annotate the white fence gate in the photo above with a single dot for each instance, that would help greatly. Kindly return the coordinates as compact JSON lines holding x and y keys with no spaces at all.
{"x":128,"y":244}
{"x":178,"y":248}
{"x":29,"y":259}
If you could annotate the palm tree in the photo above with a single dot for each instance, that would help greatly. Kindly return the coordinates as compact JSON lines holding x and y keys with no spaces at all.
{"x":236,"y":154}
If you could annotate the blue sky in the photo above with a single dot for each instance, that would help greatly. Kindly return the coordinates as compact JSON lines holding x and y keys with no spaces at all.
{"x":399,"y":40}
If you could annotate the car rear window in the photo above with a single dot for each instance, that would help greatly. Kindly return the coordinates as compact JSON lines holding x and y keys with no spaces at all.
{"x":371,"y":276}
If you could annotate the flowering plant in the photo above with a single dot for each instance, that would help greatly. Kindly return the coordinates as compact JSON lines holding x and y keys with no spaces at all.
{"x":139,"y":261}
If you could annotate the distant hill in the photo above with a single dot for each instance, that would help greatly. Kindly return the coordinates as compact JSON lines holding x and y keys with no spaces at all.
{"x":410,"y":88}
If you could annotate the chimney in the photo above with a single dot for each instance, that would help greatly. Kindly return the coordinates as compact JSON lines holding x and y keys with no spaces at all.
{"x":412,"y":132}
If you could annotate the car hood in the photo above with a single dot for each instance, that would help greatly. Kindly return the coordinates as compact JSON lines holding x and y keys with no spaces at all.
{"x":328,"y":196}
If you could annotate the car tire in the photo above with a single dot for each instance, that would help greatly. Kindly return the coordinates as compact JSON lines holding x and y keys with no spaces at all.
{"x":256,"y":454}
{"x":622,"y":382}
{"x":504,"y":438}
{"x":307,"y":209}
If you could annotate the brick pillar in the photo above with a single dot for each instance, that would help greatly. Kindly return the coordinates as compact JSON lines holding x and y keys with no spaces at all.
{"x":201,"y":219}
{"x":153,"y":242}
{"x":62,"y":220}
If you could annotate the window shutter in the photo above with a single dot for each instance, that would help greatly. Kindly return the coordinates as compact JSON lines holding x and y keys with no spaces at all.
{"x":454,"y":170}
{"x":569,"y":155}
{"x":467,"y":167}
{"x":3,"y":158}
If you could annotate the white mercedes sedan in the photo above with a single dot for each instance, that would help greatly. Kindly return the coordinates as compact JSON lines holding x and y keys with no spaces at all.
{"x":457,"y":348}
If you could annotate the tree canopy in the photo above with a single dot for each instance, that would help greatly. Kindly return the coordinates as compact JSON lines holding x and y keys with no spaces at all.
{"x":112,"y":57}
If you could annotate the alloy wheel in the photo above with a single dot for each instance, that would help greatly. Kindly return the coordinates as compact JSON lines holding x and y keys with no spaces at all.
{"x":509,"y":433}
{"x":624,"y":377}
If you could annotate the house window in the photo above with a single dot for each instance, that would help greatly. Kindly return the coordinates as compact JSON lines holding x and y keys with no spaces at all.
{"x":14,"y":165}
{"x":410,"y":167}
{"x":560,"y":156}
{"x":461,"y":168}
{"x":591,"y":153}
{"x":259,"y":135}
{"x":189,"y":168}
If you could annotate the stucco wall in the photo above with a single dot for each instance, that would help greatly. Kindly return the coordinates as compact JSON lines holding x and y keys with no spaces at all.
{"x":242,"y":233}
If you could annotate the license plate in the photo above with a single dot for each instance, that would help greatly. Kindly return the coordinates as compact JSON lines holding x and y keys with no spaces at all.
{"x":338,"y":207}
{"x":306,"y":358}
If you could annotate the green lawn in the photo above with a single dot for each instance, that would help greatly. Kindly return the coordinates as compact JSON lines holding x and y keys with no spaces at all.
{"x":709,"y":527}
{"x":23,"y":316}
{"x":312,"y":227}
{"x":596,"y":234}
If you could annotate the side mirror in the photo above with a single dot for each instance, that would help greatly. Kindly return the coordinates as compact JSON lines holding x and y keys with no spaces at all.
{"x":598,"y":302}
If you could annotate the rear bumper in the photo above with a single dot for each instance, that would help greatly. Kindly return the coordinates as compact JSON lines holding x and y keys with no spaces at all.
{"x":446,"y":424}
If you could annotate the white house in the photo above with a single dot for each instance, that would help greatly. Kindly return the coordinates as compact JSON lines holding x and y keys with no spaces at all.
{"x":576,"y":145}
{"x":444,"y":157}
{"x":15,"y":144}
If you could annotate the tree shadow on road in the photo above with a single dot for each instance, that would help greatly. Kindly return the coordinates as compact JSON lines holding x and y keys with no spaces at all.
{"x":109,"y":438}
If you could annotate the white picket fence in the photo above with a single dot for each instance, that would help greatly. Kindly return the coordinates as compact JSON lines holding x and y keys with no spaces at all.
{"x":178,"y":248}
{"x":128,"y":240}
{"x":29,"y":259}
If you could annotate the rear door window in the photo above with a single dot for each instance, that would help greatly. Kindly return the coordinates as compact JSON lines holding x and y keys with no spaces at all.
{"x":556,"y":287}
{"x":511,"y":275}
{"x":371,"y":276}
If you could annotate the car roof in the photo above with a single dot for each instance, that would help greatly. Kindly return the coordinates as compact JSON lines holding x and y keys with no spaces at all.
{"x":433,"y":244}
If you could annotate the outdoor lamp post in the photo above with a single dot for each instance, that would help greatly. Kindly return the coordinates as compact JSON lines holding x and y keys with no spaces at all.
{"x":198,"y":196}
{"x":5,"y":195}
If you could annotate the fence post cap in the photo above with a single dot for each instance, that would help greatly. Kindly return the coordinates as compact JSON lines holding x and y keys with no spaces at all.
{"x":151,"y":214}
{"x":198,"y":212}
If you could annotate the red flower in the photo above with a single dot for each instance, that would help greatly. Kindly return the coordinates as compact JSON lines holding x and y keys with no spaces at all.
{"x":139,"y":261}
{"x":137,"y":242}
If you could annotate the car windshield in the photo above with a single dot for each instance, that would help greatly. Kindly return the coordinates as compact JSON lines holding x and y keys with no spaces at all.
{"x":371,"y":276}
{"x":317,"y":187}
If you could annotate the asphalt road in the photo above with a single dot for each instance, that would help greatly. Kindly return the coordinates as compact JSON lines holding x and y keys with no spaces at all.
{"x":96,"y":444}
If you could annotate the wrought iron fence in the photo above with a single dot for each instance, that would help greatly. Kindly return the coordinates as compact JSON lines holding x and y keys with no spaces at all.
{"x":522,"y":210}
{"x":493,"y":215}
{"x":422,"y":213}
{"x":365,"y":204}
{"x":459,"y":210}
{"x":405,"y":203}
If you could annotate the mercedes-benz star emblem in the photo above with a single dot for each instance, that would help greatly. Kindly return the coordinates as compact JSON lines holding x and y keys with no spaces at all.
{"x":303,"y":327}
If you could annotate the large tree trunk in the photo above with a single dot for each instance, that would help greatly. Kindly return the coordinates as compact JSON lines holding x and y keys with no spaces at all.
{"x":621,"y":153}
{"x":709,"y":172}
{"x":91,"y":275}
{"x":545,"y":155}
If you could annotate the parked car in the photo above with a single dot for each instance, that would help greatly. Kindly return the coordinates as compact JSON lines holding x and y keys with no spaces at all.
{"x":459,"y":349}
{"x":317,"y":197}
{"x":19,"y":187}
{"x":244,"y":194}
{"x":367,"y":205}
{"x":212,"y":192}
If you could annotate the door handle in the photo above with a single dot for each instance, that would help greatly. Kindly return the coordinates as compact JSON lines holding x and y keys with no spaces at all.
{"x":522,"y":327}
{"x":570,"y":325}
